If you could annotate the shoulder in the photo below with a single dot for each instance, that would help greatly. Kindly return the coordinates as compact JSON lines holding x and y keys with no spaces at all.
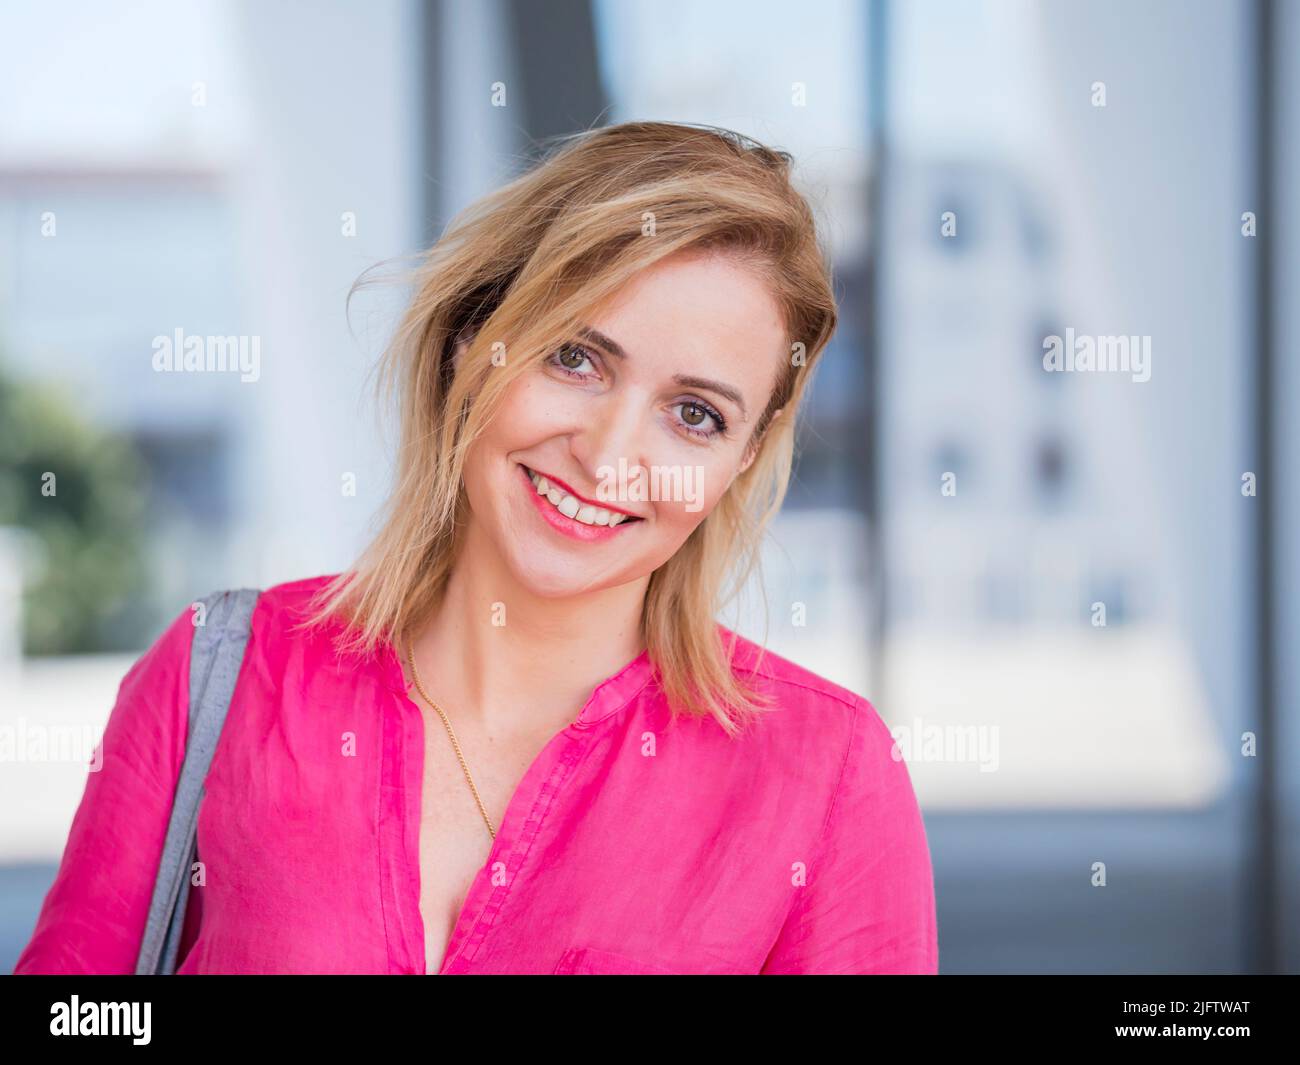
{"x":815,"y":709}
{"x":284,"y":610}
{"x":293,"y":600}
{"x":285,"y":625}
{"x":750,"y":658}
{"x":280,"y":629}
{"x":792,"y":684}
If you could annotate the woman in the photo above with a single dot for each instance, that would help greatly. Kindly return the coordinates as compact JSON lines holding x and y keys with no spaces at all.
{"x":513,"y":738}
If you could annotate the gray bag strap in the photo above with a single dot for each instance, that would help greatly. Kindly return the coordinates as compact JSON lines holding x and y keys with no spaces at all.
{"x":216,"y":654}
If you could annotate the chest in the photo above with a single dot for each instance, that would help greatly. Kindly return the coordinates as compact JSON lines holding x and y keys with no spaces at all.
{"x":676,"y":853}
{"x":454,"y":841}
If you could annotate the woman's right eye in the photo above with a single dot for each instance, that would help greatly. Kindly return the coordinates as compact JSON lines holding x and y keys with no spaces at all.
{"x":569,"y":358}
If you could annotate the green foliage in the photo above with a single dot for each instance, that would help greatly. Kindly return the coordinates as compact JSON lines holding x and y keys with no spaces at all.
{"x":88,"y":532}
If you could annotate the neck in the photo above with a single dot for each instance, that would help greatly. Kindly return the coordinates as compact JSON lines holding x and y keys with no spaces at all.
{"x":495,"y":655}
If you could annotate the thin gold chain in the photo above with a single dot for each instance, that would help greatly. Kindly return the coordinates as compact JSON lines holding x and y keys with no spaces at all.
{"x":415,"y":676}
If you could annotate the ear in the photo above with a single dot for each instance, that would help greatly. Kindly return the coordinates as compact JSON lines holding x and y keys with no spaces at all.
{"x":458,"y":352}
{"x":460,"y":345}
{"x":752,"y":453}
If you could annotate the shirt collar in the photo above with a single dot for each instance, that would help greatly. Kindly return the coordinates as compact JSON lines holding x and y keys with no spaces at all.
{"x":614,"y":693}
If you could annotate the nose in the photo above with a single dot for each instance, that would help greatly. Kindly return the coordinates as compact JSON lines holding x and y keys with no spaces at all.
{"x":612,"y":430}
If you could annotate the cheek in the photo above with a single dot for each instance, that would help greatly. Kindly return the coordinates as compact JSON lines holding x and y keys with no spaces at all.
{"x":533,"y":409}
{"x":677,"y":519}
{"x":701,"y":491}
{"x":513,"y":428}
{"x":519,"y":408}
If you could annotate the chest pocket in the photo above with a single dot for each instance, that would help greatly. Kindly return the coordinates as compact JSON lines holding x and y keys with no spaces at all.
{"x":586,"y":961}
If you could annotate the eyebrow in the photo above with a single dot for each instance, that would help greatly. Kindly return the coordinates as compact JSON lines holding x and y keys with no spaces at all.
{"x":614,"y":348}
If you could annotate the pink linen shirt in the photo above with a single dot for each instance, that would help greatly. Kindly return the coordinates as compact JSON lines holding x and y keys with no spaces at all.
{"x":631,"y":844}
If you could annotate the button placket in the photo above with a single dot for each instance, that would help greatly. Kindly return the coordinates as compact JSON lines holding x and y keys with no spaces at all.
{"x":462,"y":956}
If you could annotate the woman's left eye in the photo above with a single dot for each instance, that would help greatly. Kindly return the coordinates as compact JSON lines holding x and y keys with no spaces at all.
{"x":695,"y":413}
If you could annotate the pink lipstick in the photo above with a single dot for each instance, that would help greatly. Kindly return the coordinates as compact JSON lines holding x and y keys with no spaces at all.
{"x":571,"y":527}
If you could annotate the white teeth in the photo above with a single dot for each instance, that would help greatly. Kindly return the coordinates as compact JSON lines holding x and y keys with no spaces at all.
{"x":572,"y":507}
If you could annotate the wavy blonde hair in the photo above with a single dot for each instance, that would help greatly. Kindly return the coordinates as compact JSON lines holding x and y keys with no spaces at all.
{"x":523,"y":267}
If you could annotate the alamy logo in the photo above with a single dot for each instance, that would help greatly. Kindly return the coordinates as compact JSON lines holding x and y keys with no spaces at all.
{"x":102,"y":1018}
{"x":637,"y":484}
{"x":208,"y":354}
{"x":953,"y":744}
{"x":24,"y":742}
{"x":1082,"y":353}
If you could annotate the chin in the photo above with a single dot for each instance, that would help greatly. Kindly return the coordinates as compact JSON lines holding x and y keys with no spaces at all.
{"x":548,"y":575}
{"x":554,"y":583}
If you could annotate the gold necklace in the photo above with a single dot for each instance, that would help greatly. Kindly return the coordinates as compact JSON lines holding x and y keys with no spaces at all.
{"x":415,"y":676}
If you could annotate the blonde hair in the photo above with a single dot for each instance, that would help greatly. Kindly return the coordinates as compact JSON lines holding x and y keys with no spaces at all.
{"x":524,"y":266}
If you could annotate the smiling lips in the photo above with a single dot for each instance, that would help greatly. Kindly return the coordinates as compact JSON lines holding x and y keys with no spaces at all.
{"x":568,"y":514}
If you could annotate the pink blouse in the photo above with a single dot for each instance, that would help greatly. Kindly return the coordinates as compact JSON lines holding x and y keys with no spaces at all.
{"x":630,"y":845}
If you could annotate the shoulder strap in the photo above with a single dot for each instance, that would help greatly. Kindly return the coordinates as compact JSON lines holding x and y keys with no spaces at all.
{"x":216,"y":654}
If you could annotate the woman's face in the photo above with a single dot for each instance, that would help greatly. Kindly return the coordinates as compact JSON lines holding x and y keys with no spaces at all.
{"x":644,"y":419}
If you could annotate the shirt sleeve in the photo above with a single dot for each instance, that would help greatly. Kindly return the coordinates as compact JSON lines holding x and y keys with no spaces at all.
{"x":93,"y":917}
{"x":868,"y":903}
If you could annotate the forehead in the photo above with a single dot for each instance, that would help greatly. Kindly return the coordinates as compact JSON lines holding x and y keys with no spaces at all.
{"x":697,"y":311}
